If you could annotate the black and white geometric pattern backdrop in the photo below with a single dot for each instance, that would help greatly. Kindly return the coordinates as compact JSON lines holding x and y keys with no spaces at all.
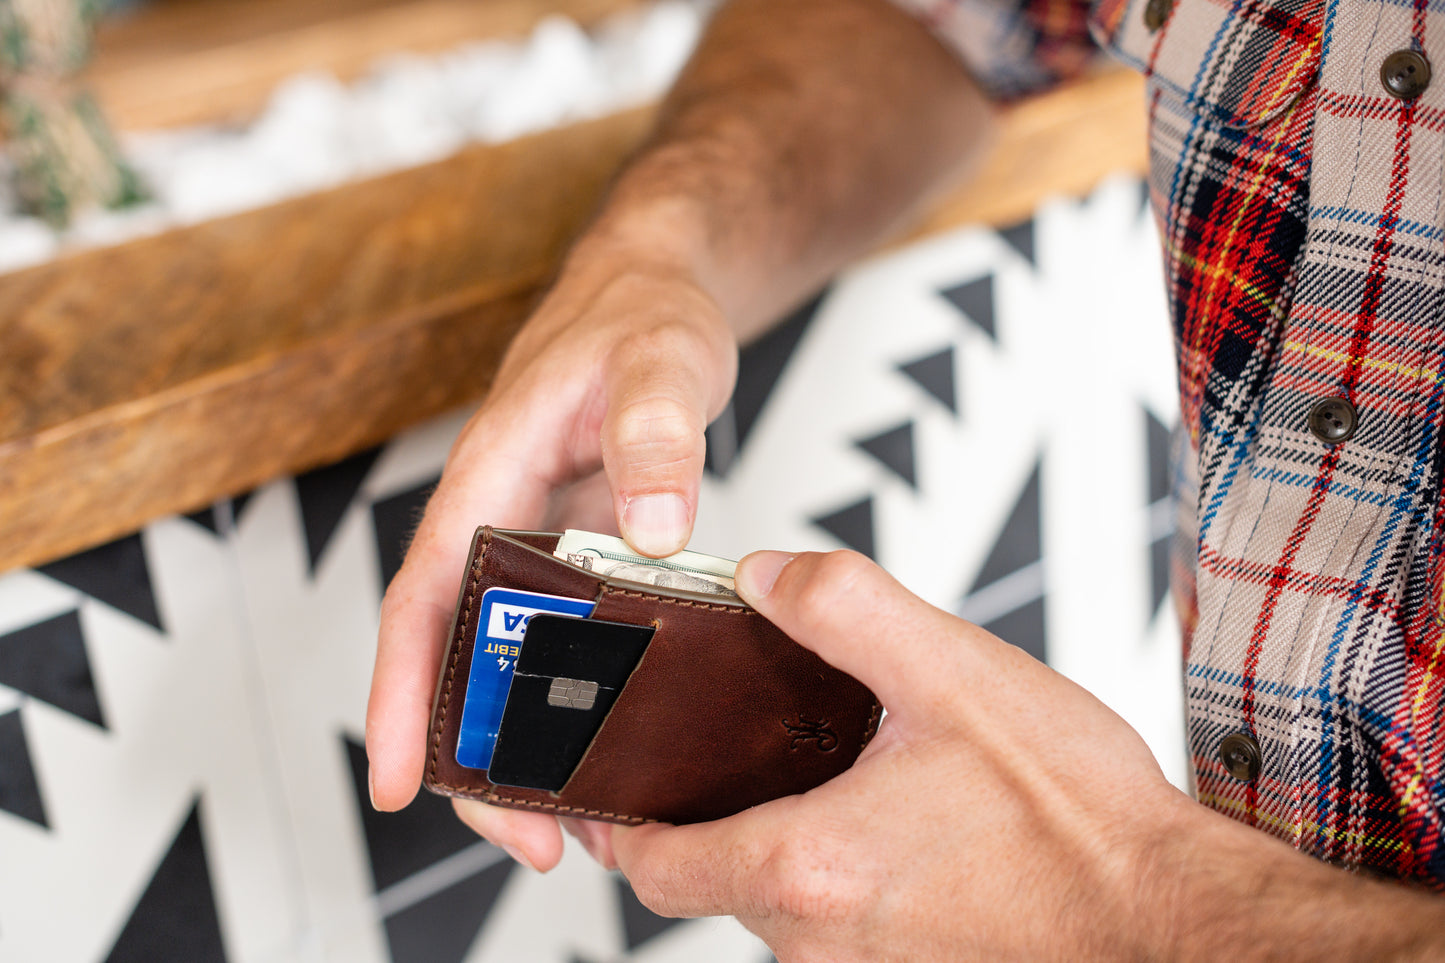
{"x":181,"y":711}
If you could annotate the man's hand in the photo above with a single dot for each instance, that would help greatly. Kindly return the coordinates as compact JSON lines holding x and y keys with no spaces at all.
{"x":1001,"y":813}
{"x":800,"y":133}
{"x":622,"y":368}
{"x":996,"y":804}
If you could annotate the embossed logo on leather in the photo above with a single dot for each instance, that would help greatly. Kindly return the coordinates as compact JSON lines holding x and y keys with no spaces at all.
{"x":805,"y":731}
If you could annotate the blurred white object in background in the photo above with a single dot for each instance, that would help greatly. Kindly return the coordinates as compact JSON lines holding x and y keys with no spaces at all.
{"x":408,"y":110}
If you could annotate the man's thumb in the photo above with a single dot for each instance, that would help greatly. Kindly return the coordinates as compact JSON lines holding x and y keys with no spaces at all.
{"x":856,"y":617}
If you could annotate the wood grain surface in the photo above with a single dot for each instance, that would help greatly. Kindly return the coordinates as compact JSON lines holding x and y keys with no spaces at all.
{"x":174,"y":62}
{"x":160,"y":375}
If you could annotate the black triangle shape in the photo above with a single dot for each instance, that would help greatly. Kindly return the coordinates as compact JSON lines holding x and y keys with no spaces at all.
{"x":238,"y":505}
{"x":1159,"y":443}
{"x":1143,"y":188}
{"x":894,"y":449}
{"x":975,"y":299}
{"x":402,"y":843}
{"x":1020,"y":237}
{"x":639,"y":924}
{"x":206,"y":518}
{"x":395,"y":520}
{"x":19,"y":790}
{"x":934,"y":374}
{"x":1019,"y":542}
{"x":852,"y":525}
{"x":116,"y":574}
{"x":48,"y":660}
{"x":175,"y":918}
{"x":1024,"y":627}
{"x":760,"y":366}
{"x":443,"y":927}
{"x":325,"y":495}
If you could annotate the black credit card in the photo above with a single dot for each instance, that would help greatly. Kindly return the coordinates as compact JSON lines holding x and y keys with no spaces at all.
{"x":568,"y":674}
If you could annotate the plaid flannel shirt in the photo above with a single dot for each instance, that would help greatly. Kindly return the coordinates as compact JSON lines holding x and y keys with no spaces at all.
{"x":1310,"y":585}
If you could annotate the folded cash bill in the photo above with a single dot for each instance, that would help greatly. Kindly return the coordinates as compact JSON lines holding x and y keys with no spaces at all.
{"x":605,"y":555}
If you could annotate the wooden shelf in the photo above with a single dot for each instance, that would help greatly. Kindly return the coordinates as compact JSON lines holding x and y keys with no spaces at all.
{"x":175,"y":62}
{"x":1062,"y":143}
{"x":162,"y":374}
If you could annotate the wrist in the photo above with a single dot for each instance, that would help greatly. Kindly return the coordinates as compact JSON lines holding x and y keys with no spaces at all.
{"x":661,"y":237}
{"x":1213,"y":888}
{"x":1171,"y":894}
{"x":658,"y":224}
{"x":632,"y":271}
{"x":1134,"y":891}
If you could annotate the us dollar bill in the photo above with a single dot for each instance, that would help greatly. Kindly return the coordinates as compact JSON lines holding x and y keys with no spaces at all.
{"x":606,"y":555}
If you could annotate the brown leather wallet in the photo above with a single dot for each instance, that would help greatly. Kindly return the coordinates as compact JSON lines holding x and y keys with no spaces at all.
{"x":722,"y":711}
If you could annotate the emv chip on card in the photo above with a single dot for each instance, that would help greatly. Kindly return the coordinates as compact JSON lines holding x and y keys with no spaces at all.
{"x":501,"y":624}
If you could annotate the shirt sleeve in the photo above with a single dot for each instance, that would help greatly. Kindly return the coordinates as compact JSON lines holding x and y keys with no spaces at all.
{"x":1012,"y":47}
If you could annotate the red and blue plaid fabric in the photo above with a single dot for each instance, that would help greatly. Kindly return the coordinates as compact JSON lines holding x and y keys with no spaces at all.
{"x":1311,"y":593}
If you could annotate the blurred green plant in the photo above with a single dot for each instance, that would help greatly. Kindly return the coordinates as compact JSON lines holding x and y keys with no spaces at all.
{"x":65,"y":156}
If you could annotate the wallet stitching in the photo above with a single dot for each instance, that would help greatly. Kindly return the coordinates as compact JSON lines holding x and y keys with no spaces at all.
{"x":710,"y":606}
{"x":446,"y":701}
{"x":490,"y":796}
{"x":872,"y":728}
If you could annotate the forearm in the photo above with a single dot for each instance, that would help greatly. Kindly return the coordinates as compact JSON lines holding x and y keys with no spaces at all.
{"x":801,"y":131}
{"x":1231,"y":892}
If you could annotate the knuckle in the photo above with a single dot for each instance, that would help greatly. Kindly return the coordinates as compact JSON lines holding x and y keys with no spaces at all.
{"x":805,"y":878}
{"x":398,"y":597}
{"x":828,"y":579}
{"x":658,"y":424}
{"x":391,"y":602}
{"x":651,"y":893}
{"x":670,"y":339}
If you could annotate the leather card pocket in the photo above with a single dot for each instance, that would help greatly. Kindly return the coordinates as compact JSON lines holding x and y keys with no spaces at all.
{"x":567,"y":677}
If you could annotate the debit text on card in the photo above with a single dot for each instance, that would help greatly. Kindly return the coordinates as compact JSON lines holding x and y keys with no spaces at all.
{"x":501,"y":625}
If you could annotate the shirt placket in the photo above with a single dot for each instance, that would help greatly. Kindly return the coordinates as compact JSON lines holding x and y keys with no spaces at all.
{"x":1324,"y":526}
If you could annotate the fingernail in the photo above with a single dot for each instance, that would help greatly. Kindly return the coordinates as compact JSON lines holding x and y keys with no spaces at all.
{"x":516,"y":854}
{"x":656,"y":524}
{"x":757,"y":573}
{"x":371,"y":786}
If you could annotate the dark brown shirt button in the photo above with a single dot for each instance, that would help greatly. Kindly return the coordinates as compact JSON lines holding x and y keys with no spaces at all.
{"x":1333,"y":420}
{"x":1156,"y":12}
{"x":1405,"y":73}
{"x":1240,"y":755}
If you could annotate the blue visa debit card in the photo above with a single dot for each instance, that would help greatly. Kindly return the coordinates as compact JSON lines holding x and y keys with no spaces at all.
{"x":500,"y":626}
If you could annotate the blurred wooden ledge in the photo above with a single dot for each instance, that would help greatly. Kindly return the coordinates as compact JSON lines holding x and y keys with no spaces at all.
{"x":1062,"y":143}
{"x":160,"y":375}
{"x":175,"y":62}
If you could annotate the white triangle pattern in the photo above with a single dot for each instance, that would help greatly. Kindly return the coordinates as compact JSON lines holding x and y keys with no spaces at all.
{"x":263,"y":667}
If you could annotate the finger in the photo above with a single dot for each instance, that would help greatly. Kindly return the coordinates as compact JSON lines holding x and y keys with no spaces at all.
{"x":665,"y":386}
{"x":861,"y":620}
{"x":532,"y":839}
{"x":705,"y":869}
{"x":585,"y":504}
{"x":595,"y":837}
{"x":484,"y":483}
